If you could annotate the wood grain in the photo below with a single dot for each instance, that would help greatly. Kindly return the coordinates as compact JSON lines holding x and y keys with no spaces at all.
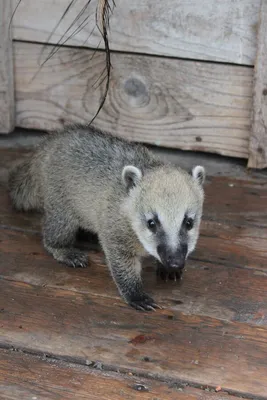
{"x":85,"y":328}
{"x":258,"y":138}
{"x":211,"y":332}
{"x":233,"y":231}
{"x":229,"y":263}
{"x":25,"y":377}
{"x":7,"y":106}
{"x":223,"y":290}
{"x":210,"y":30}
{"x":239,"y":202}
{"x":229,"y":200}
{"x":166,"y":102}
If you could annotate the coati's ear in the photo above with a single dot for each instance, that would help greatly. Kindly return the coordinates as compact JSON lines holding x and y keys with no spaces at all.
{"x":199,"y":174}
{"x":131,"y":176}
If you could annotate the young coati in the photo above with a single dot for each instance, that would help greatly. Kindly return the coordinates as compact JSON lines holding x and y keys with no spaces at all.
{"x":134,"y":202}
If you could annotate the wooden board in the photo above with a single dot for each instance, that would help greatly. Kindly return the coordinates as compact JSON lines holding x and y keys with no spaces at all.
{"x":166,"y":102}
{"x":7,"y":106}
{"x":224,"y":290}
{"x":211,"y":332}
{"x":258,"y":138}
{"x":26,"y":377}
{"x":210,"y":30}
{"x":178,"y":347}
{"x":235,"y":202}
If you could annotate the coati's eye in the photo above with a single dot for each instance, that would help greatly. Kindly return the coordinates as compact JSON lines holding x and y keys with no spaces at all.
{"x":151,"y":224}
{"x":189,"y":223}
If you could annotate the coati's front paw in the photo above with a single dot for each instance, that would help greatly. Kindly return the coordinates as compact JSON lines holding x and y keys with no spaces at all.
{"x":143,"y":302}
{"x":166,"y":274}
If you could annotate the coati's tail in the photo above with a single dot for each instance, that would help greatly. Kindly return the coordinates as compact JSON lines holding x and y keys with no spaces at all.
{"x":24,"y":187}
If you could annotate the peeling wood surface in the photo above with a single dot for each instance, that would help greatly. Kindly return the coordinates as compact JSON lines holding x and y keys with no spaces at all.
{"x":258,"y":138}
{"x":165,"y":102}
{"x":210,"y":30}
{"x":7,"y":106}
{"x":212,"y":331}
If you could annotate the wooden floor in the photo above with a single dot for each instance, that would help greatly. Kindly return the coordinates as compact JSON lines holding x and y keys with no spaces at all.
{"x":65,"y":333}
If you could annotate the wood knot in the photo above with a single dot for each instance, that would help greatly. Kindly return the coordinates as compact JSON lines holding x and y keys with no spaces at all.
{"x":264,"y":92}
{"x":135,"y":88}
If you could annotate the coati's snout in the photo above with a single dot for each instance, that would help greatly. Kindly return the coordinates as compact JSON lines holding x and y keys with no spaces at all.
{"x":173,"y":259}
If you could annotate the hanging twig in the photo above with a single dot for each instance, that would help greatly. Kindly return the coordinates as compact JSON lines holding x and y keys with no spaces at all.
{"x":103,"y":13}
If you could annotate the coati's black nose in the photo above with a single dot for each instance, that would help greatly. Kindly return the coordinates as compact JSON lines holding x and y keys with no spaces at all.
{"x":176,"y":265}
{"x":172,"y":259}
{"x":176,"y":262}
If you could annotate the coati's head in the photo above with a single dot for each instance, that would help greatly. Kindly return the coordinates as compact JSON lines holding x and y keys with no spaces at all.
{"x":165,"y":207}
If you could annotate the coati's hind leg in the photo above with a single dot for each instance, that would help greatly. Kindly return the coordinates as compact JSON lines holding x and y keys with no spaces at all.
{"x":59,"y":233}
{"x":126,"y":272}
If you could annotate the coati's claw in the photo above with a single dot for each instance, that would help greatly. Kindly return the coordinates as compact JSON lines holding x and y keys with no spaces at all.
{"x":151,"y":308}
{"x":144,"y":303}
{"x":76,"y":259}
{"x":155,"y":306}
{"x":169,"y":274}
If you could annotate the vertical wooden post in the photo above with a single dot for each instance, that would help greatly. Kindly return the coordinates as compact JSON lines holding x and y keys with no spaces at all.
{"x":258,"y":139}
{"x":7,"y":103}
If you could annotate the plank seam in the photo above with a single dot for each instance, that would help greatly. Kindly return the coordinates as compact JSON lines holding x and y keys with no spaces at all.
{"x":172,"y":383}
{"x":138,"y":54}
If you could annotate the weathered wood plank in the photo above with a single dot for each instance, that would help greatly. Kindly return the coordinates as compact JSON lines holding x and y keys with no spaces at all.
{"x":167,"y":102}
{"x":82,"y":327}
{"x":235,"y":201}
{"x":233,"y":231}
{"x":229,"y":200}
{"x":229,"y":210}
{"x":219,"y":31}
{"x":7,"y":106}
{"x":222,"y":290}
{"x":258,"y":138}
{"x":26,"y":377}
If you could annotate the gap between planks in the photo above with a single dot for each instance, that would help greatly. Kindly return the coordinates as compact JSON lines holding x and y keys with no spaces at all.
{"x":61,"y":377}
{"x":223,"y":32}
{"x":232,"y":355}
{"x":207,"y":328}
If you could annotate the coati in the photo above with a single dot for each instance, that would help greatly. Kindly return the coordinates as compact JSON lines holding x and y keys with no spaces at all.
{"x":135,"y":203}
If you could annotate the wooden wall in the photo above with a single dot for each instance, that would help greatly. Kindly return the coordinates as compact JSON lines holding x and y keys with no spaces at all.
{"x":7,"y":106}
{"x":182,"y":72}
{"x":209,"y":30}
{"x":169,"y":102}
